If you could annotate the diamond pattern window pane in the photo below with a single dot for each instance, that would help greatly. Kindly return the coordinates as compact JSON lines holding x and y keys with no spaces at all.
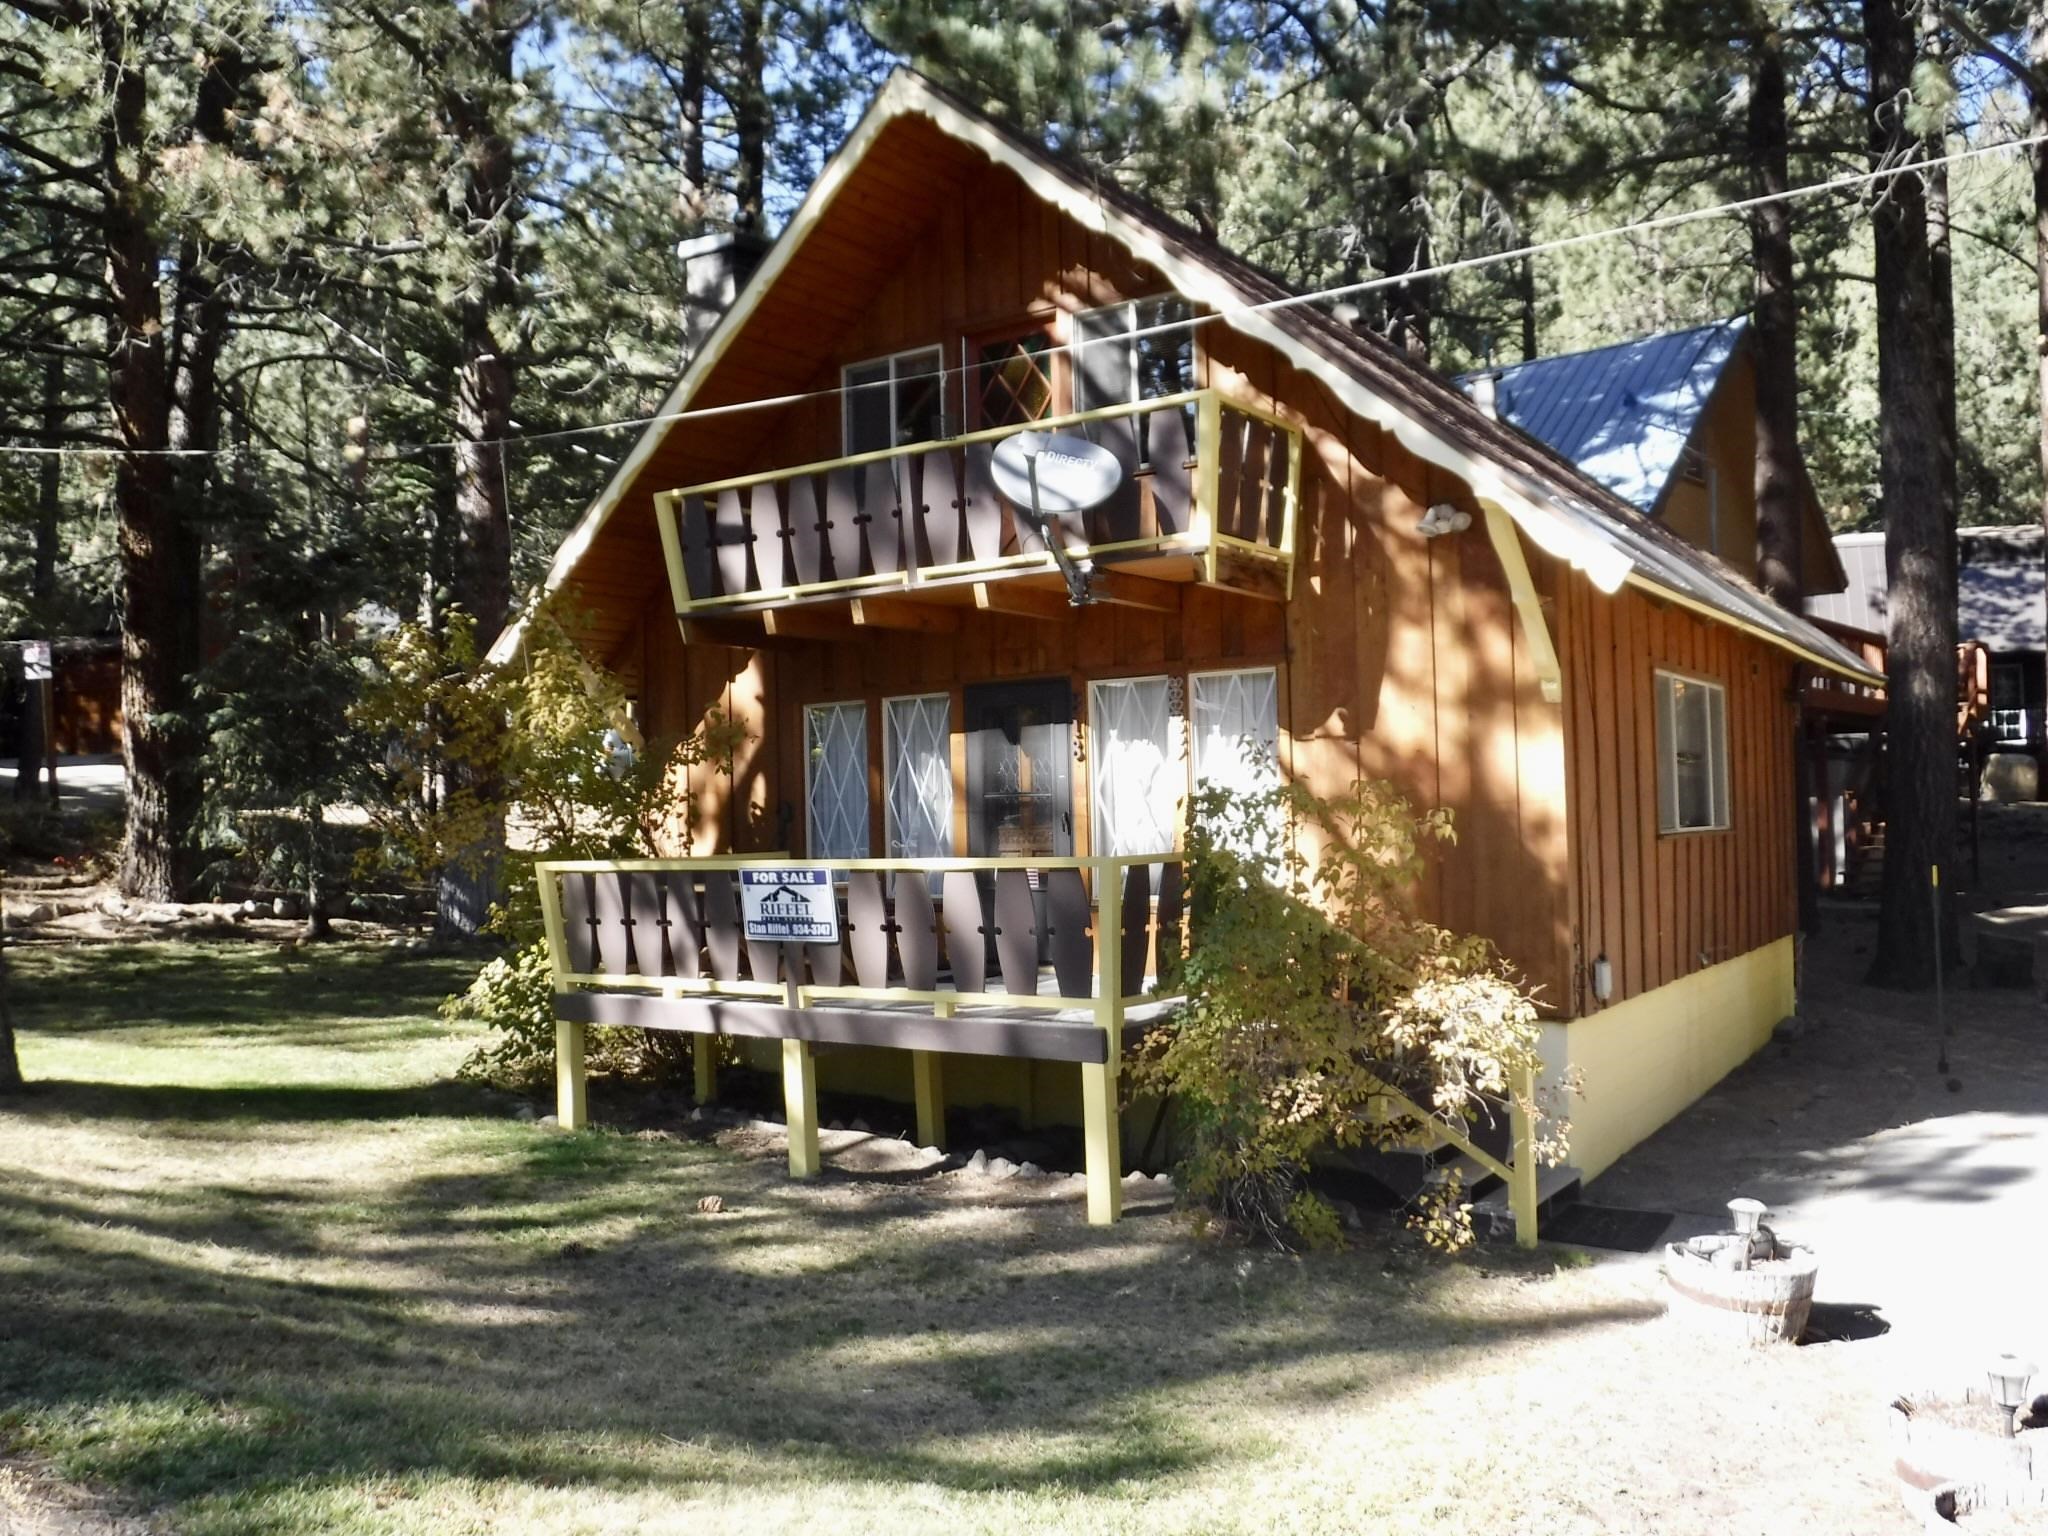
{"x":1236,"y":729}
{"x":836,"y":780}
{"x":1134,"y":766}
{"x":918,"y":772}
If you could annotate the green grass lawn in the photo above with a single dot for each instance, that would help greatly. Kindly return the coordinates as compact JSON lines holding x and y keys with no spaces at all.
{"x":264,"y":1266}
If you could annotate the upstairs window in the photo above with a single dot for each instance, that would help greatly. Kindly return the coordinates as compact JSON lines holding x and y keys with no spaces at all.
{"x":1692,"y":754}
{"x":895,"y":400}
{"x":1122,"y":357}
{"x":1013,"y":379}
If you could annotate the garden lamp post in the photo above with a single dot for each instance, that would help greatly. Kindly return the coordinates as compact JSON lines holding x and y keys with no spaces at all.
{"x":2008,"y":1378}
{"x":1748,"y":1214}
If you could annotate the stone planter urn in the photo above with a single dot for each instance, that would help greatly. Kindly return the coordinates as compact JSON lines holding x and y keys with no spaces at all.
{"x":1766,"y":1302}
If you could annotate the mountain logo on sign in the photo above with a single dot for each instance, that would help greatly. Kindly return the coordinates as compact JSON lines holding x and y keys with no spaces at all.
{"x":783,"y":905}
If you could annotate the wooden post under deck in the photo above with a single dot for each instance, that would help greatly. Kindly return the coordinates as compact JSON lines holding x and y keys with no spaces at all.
{"x":1101,"y":1137}
{"x":800,"y":1104}
{"x":1522,"y":1192}
{"x":704,"y":1065}
{"x":928,"y":1090}
{"x":571,"y":1107}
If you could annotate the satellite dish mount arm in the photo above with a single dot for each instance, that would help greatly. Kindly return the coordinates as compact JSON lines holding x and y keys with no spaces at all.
{"x":1076,"y":573}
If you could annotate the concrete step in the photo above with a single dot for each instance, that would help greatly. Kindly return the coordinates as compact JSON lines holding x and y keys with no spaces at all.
{"x":1492,"y":1215}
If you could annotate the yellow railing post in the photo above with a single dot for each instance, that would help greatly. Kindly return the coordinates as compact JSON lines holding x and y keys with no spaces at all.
{"x":1522,"y":1162}
{"x":1208,"y":472}
{"x":800,"y":1104}
{"x":571,"y":1106}
{"x":1101,"y":1134}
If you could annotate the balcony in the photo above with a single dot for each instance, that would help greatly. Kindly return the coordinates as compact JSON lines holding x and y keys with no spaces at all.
{"x":925,"y":521}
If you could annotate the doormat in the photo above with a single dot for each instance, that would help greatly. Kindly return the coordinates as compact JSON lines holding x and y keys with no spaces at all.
{"x":1605,"y":1226}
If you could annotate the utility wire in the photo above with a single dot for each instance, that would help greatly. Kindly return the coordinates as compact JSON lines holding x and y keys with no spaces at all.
{"x":1845,"y":182}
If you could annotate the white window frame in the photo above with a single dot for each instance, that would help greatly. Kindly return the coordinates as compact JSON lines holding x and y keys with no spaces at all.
{"x":1176,"y":754}
{"x":890,"y":748}
{"x":1276,"y":839}
{"x":859,"y":708}
{"x":1719,"y":814}
{"x":1128,"y":338}
{"x":935,"y":351}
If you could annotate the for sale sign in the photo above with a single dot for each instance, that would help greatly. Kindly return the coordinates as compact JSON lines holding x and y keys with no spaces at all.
{"x":789,"y":906}
{"x":35,"y":661}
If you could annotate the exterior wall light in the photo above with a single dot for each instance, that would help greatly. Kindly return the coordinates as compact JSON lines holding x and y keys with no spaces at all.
{"x":1603,"y":977}
{"x":1443,"y":518}
{"x":2008,"y":1378}
{"x":1749,"y":1215}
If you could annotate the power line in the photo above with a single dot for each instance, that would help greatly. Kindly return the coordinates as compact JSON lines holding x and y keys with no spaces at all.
{"x":1849,"y":180}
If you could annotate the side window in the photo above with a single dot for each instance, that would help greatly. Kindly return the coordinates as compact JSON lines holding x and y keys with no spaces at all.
{"x":1136,"y":777}
{"x":1142,"y":350}
{"x":917,"y":775}
{"x":1235,"y":726}
{"x":836,"y":780}
{"x":894,"y":400}
{"x":1012,"y":382}
{"x":1692,"y":754}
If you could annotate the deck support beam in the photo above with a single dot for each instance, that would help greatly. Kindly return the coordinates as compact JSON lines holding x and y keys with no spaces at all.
{"x":572,"y":1108}
{"x":928,"y":1091}
{"x":903,"y":614}
{"x":800,"y":1106}
{"x":1523,"y":1197}
{"x":1123,"y":589}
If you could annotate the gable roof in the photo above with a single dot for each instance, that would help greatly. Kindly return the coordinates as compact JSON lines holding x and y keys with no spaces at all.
{"x":1562,"y":511}
{"x":1623,"y":413}
{"x":2001,"y":590}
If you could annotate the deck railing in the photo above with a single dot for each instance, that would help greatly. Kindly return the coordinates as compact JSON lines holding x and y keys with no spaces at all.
{"x":959,"y":938}
{"x":929,"y":514}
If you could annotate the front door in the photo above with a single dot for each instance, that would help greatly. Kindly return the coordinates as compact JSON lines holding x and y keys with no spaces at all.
{"x":1020,"y":784}
{"x":1020,"y":770}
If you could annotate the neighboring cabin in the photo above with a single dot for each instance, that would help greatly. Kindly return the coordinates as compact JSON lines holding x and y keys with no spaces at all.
{"x":1668,"y":424}
{"x":1605,"y":708}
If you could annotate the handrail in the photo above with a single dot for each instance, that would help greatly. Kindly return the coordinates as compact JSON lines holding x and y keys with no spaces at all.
{"x":965,"y":439}
{"x":737,"y":861}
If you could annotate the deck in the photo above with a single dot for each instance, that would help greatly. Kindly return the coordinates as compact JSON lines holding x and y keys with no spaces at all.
{"x":1049,"y":959}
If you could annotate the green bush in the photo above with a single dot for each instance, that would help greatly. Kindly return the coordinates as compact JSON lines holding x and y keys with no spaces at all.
{"x":1312,"y":991}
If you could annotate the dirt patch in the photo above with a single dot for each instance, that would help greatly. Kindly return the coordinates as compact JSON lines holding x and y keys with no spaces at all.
{"x":35,"y":1502}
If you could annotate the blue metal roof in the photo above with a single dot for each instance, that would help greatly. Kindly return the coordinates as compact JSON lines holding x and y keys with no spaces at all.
{"x":1623,"y":414}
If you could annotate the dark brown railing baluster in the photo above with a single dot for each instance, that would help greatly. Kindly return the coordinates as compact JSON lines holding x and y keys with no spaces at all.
{"x":1172,"y":502}
{"x":1137,"y":920}
{"x":938,"y":507}
{"x":685,"y":927}
{"x":721,"y":909}
{"x":867,"y":928}
{"x":881,"y":516}
{"x":700,"y":549}
{"x":1073,"y":956}
{"x":1276,"y":488}
{"x":733,"y":529}
{"x":1016,"y":932}
{"x":983,"y":507}
{"x":646,"y":922}
{"x":1251,"y":485}
{"x":966,"y":945}
{"x":917,"y":945}
{"x":1117,"y":518}
{"x":773,"y":567}
{"x":579,"y":925}
{"x":806,"y":532}
{"x":614,"y":923}
{"x":1229,"y":471}
{"x":842,"y":521}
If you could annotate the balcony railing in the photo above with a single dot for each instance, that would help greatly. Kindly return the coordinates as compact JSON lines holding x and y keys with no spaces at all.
{"x":1045,"y":959}
{"x":928,"y":514}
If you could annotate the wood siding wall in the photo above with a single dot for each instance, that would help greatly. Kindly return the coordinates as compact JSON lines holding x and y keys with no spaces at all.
{"x":1661,"y":906}
{"x":1399,"y":657}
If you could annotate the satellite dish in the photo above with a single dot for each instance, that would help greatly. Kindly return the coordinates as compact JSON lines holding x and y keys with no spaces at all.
{"x":1072,"y":474}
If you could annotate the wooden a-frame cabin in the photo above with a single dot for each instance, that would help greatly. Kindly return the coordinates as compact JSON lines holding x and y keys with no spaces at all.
{"x":1318,"y":545}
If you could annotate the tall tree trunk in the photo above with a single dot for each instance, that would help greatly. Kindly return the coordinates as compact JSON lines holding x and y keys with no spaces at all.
{"x":2037,"y":106}
{"x":10,"y":1058}
{"x":1920,"y":728}
{"x":138,"y":386}
{"x":485,"y":376}
{"x":1774,"y":346}
{"x":750,"y":122}
{"x":696,"y":197}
